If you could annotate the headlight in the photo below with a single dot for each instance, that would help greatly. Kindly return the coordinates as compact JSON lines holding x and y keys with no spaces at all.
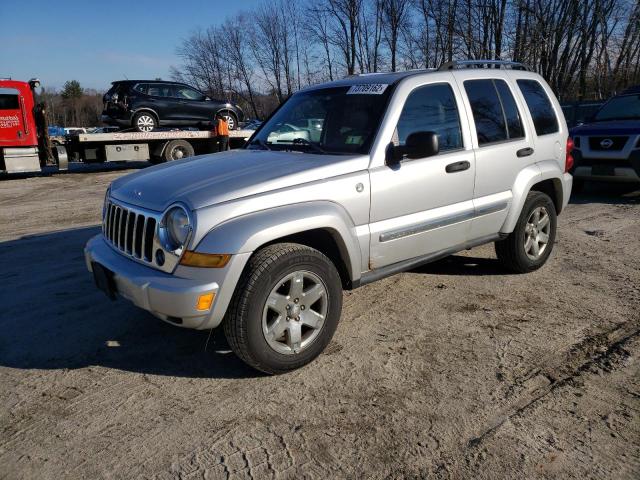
{"x":175,"y":229}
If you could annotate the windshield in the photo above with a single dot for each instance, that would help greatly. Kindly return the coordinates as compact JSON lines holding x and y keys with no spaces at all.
{"x":625,"y":107}
{"x":340,"y":120}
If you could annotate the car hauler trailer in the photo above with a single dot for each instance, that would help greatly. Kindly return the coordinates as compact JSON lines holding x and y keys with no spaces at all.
{"x":26,"y":147}
{"x":155,"y":146}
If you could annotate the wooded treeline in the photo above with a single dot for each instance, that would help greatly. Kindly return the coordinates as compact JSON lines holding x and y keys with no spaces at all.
{"x":585,"y":49}
{"x":74,"y":106}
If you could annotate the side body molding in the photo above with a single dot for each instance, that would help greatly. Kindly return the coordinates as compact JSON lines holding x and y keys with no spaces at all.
{"x":528,"y":177}
{"x":247,"y":233}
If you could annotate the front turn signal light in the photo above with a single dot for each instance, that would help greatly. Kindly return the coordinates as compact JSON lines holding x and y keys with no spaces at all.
{"x":204,"y":260}
{"x":204,"y":301}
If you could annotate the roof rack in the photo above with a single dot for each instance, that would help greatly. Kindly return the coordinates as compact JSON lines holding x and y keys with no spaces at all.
{"x":483,"y":63}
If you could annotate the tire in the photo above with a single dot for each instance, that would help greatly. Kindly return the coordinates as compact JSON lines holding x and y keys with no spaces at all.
{"x":515,"y":252}
{"x":232,"y":120}
{"x":250,"y":318}
{"x":144,"y":122}
{"x":177,"y":150}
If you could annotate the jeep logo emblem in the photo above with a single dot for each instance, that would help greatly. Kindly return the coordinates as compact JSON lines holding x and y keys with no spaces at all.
{"x":606,"y":143}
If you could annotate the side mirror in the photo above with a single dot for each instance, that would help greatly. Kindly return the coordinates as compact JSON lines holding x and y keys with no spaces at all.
{"x":207,"y":99}
{"x":417,"y":145}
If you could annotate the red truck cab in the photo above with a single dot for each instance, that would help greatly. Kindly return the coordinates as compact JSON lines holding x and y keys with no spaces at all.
{"x":18,"y":133}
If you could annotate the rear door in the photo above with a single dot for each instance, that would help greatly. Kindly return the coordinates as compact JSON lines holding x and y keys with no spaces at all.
{"x":159,"y":99}
{"x":502,"y":142}
{"x":14,"y":128}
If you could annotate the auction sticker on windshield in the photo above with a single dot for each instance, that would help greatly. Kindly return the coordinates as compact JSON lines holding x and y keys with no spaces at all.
{"x":368,"y":89}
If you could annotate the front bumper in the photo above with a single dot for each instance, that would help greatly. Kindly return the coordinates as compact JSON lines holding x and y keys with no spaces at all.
{"x":622,"y":168}
{"x":170,"y":297}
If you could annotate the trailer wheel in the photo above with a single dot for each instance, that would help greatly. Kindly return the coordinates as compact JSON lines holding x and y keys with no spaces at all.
{"x":177,"y":149}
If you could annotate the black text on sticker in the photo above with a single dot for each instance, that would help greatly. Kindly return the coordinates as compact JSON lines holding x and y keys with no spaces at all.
{"x":368,"y":89}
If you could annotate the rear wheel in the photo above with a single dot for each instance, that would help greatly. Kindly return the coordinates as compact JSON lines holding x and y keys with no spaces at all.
{"x":145,"y":122}
{"x":528,"y":247}
{"x":285,"y":309}
{"x":230,"y":118}
{"x":177,"y":150}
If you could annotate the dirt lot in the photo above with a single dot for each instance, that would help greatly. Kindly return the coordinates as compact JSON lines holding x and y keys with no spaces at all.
{"x":455,"y":370}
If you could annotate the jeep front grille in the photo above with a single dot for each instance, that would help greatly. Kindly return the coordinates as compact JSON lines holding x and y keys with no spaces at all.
{"x":132,"y":232}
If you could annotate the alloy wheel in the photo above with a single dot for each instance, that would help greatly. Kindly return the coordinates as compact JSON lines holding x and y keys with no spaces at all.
{"x":536,"y":233}
{"x":231,"y":122}
{"x":294,"y":312}
{"x":145,"y":123}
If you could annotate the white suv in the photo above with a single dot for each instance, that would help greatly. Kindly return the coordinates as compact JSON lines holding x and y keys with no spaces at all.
{"x":399,"y":170}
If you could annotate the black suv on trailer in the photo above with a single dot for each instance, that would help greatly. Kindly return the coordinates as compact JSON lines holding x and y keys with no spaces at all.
{"x":147,"y":104}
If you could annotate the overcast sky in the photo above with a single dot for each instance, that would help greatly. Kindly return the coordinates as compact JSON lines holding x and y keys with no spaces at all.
{"x":97,"y":42}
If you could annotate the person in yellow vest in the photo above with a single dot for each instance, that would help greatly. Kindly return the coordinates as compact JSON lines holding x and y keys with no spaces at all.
{"x":222,"y":132}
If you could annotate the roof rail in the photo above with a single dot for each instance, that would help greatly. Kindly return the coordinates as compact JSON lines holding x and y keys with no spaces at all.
{"x":483,"y":63}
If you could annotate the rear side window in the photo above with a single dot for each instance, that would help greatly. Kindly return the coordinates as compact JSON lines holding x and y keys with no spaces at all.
{"x":511,"y":113}
{"x":159,"y":90}
{"x":431,"y":108}
{"x":494,"y":111}
{"x":9,"y":101}
{"x":544,"y":118}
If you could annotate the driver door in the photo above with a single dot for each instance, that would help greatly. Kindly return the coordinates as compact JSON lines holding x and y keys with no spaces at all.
{"x":425,"y":205}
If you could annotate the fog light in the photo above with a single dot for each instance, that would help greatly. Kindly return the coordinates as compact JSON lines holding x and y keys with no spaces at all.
{"x":204,"y":301}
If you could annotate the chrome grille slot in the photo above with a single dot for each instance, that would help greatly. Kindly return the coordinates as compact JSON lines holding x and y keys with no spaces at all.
{"x":149,"y":233}
{"x":130,"y":231}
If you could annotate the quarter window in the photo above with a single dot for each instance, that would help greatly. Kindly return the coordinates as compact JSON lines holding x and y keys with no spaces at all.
{"x":544,"y":118}
{"x":431,"y":108}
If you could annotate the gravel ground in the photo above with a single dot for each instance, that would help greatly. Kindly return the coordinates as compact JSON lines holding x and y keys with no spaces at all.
{"x":453,"y":370}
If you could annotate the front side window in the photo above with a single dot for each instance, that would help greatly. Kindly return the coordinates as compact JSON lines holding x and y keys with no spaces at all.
{"x":337,"y":120}
{"x":544,"y":118}
{"x":431,"y":108}
{"x":187,"y":93}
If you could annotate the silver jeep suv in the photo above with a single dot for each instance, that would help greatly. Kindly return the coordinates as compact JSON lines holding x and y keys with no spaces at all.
{"x":347,"y":182}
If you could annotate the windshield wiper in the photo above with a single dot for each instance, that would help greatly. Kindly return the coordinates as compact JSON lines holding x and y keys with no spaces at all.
{"x":261,"y":142}
{"x":304,"y":141}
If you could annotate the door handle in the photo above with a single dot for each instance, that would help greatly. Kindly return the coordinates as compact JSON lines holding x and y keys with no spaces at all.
{"x":524,"y":152}
{"x":457,"y":167}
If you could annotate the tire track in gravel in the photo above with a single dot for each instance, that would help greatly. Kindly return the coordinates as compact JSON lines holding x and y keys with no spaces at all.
{"x":592,"y":350}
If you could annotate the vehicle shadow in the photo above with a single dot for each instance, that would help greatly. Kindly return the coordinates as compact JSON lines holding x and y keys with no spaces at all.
{"x":609,"y":193}
{"x":463,"y":265}
{"x":53,"y":317}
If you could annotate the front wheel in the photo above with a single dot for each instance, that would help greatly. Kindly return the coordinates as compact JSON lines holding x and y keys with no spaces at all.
{"x":528,"y":247}
{"x":285,"y":309}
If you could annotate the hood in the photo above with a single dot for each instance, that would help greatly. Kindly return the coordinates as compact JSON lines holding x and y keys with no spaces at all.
{"x":611,"y":127}
{"x":210,"y":179}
